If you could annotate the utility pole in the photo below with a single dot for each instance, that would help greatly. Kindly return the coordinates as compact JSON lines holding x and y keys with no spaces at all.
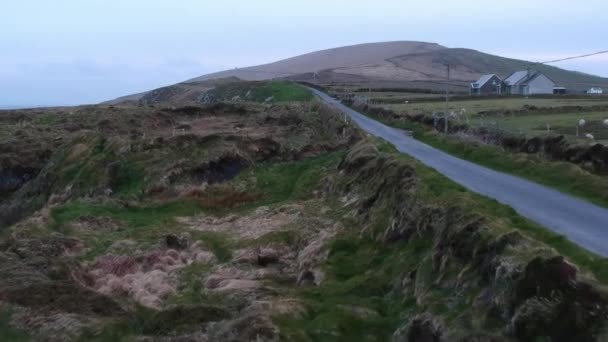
{"x":447,"y":101}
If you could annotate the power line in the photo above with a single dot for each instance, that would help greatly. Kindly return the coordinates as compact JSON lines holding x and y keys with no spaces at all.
{"x":570,"y":58}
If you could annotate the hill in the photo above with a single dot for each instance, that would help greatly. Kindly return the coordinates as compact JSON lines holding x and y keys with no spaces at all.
{"x":404,"y":64}
{"x":348,"y":56}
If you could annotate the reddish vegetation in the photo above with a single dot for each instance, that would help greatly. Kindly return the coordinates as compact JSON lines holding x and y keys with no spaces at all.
{"x":221,"y":197}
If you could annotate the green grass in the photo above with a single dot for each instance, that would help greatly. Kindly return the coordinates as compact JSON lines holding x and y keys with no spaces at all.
{"x":563,"y":176}
{"x":282,"y":92}
{"x":135,"y":217}
{"x":473,"y":107}
{"x":280,"y":182}
{"x":360,"y":275}
{"x":538,"y":122}
{"x":145,"y":224}
{"x":361,"y":272}
{"x":218,"y":243}
{"x":130,"y":179}
{"x":144,"y":321}
{"x":277,"y":91}
{"x":7,"y":332}
{"x":190,"y":289}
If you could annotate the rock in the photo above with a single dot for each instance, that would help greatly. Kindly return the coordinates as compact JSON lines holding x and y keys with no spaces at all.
{"x":176,"y":242}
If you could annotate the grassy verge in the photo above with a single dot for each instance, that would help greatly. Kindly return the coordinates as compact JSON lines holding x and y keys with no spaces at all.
{"x":441,"y":190}
{"x":7,"y":332}
{"x":563,"y":176}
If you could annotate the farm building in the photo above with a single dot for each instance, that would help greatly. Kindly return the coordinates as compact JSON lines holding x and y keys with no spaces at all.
{"x":595,"y":91}
{"x":487,"y":85}
{"x":528,"y":82}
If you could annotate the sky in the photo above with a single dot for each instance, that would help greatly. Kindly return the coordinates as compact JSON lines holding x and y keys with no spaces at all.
{"x":68,"y":52}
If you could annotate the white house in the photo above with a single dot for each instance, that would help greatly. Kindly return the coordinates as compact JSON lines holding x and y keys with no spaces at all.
{"x":528,"y":82}
{"x":595,"y":91}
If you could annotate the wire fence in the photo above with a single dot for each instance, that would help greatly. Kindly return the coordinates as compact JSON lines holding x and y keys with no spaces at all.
{"x":592,"y":130}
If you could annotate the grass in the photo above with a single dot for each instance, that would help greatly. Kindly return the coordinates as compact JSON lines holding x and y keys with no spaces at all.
{"x":561,"y":123}
{"x":563,"y":176}
{"x":282,"y":91}
{"x":146,"y":224}
{"x":219,"y":244}
{"x":360,"y":275}
{"x":473,"y":107}
{"x":530,"y":124}
{"x":362,"y":272}
{"x":280,"y":182}
{"x":190,"y":290}
{"x":144,"y":321}
{"x":276,"y":91}
{"x":7,"y":332}
{"x":134,"y":217}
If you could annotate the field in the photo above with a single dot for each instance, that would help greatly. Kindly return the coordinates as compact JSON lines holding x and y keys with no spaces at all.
{"x":474,"y":107}
{"x":529,"y":116}
{"x":562,"y":123}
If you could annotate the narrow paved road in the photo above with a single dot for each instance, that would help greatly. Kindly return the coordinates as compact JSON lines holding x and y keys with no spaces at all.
{"x":580,"y":221}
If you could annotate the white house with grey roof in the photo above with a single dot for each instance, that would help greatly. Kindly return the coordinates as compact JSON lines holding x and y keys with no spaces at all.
{"x":528,"y":82}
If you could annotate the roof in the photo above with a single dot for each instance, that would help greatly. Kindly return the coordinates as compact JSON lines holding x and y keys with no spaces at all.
{"x":482,"y":80}
{"x":532,"y":76}
{"x":516,"y":77}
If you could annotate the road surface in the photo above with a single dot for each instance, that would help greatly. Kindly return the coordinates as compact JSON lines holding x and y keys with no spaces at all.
{"x":581,"y":222}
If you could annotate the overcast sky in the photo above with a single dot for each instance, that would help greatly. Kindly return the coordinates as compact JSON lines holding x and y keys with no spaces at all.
{"x":86,"y":51}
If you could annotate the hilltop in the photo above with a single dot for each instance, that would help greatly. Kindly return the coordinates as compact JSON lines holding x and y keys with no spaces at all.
{"x":404,"y":64}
